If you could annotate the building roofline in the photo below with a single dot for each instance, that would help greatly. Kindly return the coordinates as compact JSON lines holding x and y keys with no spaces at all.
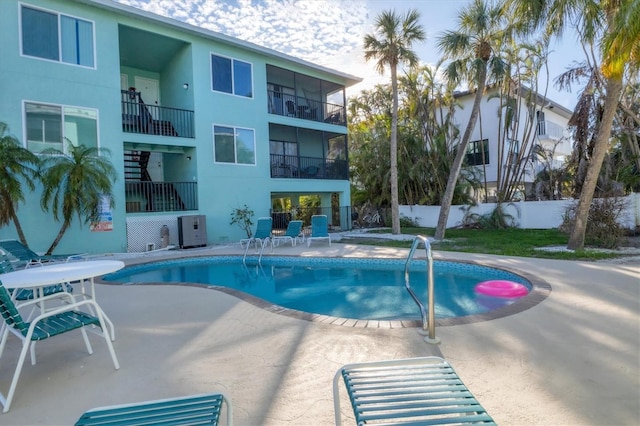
{"x":545,"y":102}
{"x":136,"y":13}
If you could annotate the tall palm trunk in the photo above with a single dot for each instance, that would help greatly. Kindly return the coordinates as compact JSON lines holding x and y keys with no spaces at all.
{"x":65,"y":225}
{"x":447,"y":198}
{"x":395,"y":210}
{"x":613,"y":90}
{"x":16,"y":222}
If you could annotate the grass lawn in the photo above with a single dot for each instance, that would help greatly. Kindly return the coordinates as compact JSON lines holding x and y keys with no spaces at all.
{"x":508,"y":242}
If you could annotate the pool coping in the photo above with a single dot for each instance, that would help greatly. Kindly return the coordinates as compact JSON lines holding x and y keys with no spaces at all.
{"x":539,"y":292}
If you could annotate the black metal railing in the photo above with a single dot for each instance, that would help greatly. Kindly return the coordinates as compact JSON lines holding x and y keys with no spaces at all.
{"x":292,"y":166}
{"x":138,"y":117}
{"x":160,"y":196}
{"x":307,"y":109}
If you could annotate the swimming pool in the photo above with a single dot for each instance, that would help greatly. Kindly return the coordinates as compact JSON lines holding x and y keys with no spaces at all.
{"x":371,"y":289}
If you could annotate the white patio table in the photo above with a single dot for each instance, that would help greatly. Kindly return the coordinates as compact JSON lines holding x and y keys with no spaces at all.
{"x":37,"y":278}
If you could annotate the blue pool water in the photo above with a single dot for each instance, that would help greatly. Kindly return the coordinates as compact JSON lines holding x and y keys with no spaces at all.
{"x":370,"y":289}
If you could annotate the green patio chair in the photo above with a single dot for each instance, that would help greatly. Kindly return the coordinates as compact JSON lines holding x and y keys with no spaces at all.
{"x":23,"y":294}
{"x":25,"y":255}
{"x":48,"y":324}
{"x":202,"y":409}
{"x":416,"y":391}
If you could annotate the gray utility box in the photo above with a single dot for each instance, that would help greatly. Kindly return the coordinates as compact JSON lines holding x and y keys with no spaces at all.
{"x":192,"y":231}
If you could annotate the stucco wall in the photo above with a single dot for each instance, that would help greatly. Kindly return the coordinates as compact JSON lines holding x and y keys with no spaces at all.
{"x":528,"y":214}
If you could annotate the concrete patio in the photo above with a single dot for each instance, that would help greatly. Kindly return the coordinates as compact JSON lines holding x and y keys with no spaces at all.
{"x":572,"y":359}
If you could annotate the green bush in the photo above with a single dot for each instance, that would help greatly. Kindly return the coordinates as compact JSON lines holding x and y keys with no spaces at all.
{"x":407,"y":222}
{"x":603,"y":226}
{"x":242,"y":217}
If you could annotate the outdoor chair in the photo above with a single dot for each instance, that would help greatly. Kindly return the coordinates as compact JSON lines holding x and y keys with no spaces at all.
{"x":319,"y":229}
{"x":28,"y":257}
{"x":23,"y":294}
{"x":202,"y":409}
{"x":291,"y":109}
{"x":51,"y":323}
{"x":262,"y":236}
{"x":416,"y":391}
{"x":293,"y":234}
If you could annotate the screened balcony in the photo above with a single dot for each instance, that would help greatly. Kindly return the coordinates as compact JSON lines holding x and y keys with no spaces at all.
{"x":297,"y":95}
{"x":298,"y":167}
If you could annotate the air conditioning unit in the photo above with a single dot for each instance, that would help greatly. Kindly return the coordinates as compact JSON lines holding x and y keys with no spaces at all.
{"x":192,"y":231}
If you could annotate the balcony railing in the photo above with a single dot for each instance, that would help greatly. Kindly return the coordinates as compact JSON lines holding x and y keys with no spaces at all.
{"x":160,"y":196}
{"x":307,"y":109}
{"x":549,"y":130}
{"x":138,"y":117}
{"x":292,"y":166}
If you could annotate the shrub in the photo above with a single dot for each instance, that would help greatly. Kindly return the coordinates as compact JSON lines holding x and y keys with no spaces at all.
{"x":408,"y":222}
{"x":603,"y":225}
{"x":497,"y":219}
{"x":242,"y":217}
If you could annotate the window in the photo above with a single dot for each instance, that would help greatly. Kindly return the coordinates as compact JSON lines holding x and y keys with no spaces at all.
{"x":514,"y":150}
{"x":234,"y":145}
{"x":477,"y":151}
{"x":542,"y":128}
{"x":57,"y":37}
{"x":55,"y":126}
{"x":231,"y":76}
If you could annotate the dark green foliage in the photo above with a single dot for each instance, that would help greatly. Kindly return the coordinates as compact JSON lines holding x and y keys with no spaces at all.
{"x":242,"y":218}
{"x":603,"y":226}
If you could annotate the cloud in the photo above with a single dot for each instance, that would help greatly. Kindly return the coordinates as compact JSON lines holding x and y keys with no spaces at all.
{"x":325,"y":32}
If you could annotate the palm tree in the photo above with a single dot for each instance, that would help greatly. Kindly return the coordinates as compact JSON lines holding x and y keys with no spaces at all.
{"x":74,"y":184}
{"x":391,"y":45}
{"x":474,"y":51}
{"x":613,"y":26}
{"x":18,"y":167}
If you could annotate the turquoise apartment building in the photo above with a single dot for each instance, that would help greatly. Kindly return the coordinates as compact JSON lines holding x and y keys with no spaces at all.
{"x":198,"y":123}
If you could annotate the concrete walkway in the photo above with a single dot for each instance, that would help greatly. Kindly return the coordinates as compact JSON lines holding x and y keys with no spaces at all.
{"x":572,"y":359}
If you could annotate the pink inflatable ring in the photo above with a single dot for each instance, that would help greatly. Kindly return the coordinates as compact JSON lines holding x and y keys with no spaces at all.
{"x":502,"y":288}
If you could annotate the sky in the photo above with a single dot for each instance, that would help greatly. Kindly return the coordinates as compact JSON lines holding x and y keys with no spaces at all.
{"x":331,"y":32}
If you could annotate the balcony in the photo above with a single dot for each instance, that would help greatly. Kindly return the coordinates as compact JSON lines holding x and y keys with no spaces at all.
{"x":160,"y":196}
{"x":306,"y":109}
{"x":296,"y":167}
{"x":549,"y":130}
{"x":138,"y":117}
{"x":297,"y":95}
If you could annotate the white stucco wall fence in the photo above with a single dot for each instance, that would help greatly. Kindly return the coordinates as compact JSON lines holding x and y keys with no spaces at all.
{"x":532,"y":214}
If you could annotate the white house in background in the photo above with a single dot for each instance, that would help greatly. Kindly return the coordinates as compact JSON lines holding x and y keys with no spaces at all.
{"x":544,"y":123}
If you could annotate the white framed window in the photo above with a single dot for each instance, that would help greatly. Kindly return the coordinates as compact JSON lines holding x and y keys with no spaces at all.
{"x":478,"y":152}
{"x":58,"y":126}
{"x":230,"y":75}
{"x":56,"y":37}
{"x":234,"y":145}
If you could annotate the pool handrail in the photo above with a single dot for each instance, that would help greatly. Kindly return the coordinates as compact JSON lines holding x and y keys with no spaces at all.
{"x":428,"y":324}
{"x":263,"y":244}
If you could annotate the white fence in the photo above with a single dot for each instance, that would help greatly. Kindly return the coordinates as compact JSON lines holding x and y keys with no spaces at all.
{"x":527,"y":214}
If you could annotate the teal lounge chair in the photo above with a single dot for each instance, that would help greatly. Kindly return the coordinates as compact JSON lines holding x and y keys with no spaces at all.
{"x":262,"y":236}
{"x":292,"y":234}
{"x":26,"y":256}
{"x":319,"y":229}
{"x":66,"y":317}
{"x":416,"y":391}
{"x":190,"y":410}
{"x":23,"y":294}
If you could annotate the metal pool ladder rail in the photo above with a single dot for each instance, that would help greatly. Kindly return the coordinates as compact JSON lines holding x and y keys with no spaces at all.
{"x":428,"y":324}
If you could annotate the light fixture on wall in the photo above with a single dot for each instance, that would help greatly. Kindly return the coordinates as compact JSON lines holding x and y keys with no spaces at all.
{"x":186,"y":86}
{"x":189,"y":157}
